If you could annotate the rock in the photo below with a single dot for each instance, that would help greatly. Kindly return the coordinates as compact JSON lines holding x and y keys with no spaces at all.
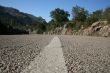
{"x":95,"y":24}
{"x":99,"y":28}
{"x":105,"y":31}
{"x":69,"y":32}
{"x":88,"y":31}
{"x":98,"y":23}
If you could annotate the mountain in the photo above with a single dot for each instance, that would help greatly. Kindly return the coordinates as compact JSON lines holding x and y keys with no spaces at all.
{"x":11,"y":17}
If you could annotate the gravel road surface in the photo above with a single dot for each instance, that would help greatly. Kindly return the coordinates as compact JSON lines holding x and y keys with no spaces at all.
{"x":54,"y":54}
{"x":17,"y":51}
{"x":86,"y":54}
{"x":50,"y":60}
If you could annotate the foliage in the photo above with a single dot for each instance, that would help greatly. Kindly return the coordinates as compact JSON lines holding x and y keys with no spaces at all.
{"x":59,"y":16}
{"x":95,"y":16}
{"x":107,"y":14}
{"x":79,"y":14}
{"x":10,"y":30}
{"x":14,"y":19}
{"x":51,"y":25}
{"x":79,"y":17}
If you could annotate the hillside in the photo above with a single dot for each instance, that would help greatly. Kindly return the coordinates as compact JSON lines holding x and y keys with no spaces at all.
{"x":83,"y":22}
{"x":14,"y":19}
{"x":99,"y":28}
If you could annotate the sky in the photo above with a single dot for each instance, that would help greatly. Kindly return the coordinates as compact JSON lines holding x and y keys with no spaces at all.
{"x":44,"y":7}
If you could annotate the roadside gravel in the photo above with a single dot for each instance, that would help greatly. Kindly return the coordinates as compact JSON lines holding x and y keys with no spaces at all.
{"x":82,"y":54}
{"x":86,"y":54}
{"x":16,"y":51}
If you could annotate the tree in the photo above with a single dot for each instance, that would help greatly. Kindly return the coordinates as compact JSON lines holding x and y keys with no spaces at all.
{"x":79,"y":14}
{"x":51,"y":25}
{"x":59,"y":16}
{"x":95,"y":16}
{"x":107,"y":14}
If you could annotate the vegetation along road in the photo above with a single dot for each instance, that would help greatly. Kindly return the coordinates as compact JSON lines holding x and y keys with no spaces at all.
{"x":54,"y":54}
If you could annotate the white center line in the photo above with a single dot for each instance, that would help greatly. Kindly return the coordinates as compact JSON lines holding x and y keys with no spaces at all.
{"x":50,"y":60}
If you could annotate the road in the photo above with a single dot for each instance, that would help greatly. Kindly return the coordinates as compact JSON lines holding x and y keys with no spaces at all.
{"x":54,"y":54}
{"x":50,"y":60}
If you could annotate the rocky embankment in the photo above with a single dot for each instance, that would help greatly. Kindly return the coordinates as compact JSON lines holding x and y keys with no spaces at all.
{"x":100,"y":28}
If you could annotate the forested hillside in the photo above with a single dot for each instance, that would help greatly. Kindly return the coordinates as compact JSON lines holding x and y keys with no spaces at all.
{"x":12,"y":21}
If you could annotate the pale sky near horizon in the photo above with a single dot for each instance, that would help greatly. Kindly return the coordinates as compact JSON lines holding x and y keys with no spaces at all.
{"x":44,"y":7}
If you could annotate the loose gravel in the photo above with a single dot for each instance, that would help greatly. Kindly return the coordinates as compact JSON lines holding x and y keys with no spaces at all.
{"x":50,"y":60}
{"x":17,"y":51}
{"x":82,"y":54}
{"x":86,"y":54}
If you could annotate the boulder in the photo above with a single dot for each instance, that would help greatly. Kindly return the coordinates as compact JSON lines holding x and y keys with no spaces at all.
{"x":105,"y":31}
{"x":99,"y":28}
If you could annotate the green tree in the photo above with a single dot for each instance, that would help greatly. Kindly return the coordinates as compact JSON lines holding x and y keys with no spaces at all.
{"x":107,"y":14}
{"x":95,"y":16}
{"x":59,"y":16}
{"x":51,"y":25}
{"x":79,"y":14}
